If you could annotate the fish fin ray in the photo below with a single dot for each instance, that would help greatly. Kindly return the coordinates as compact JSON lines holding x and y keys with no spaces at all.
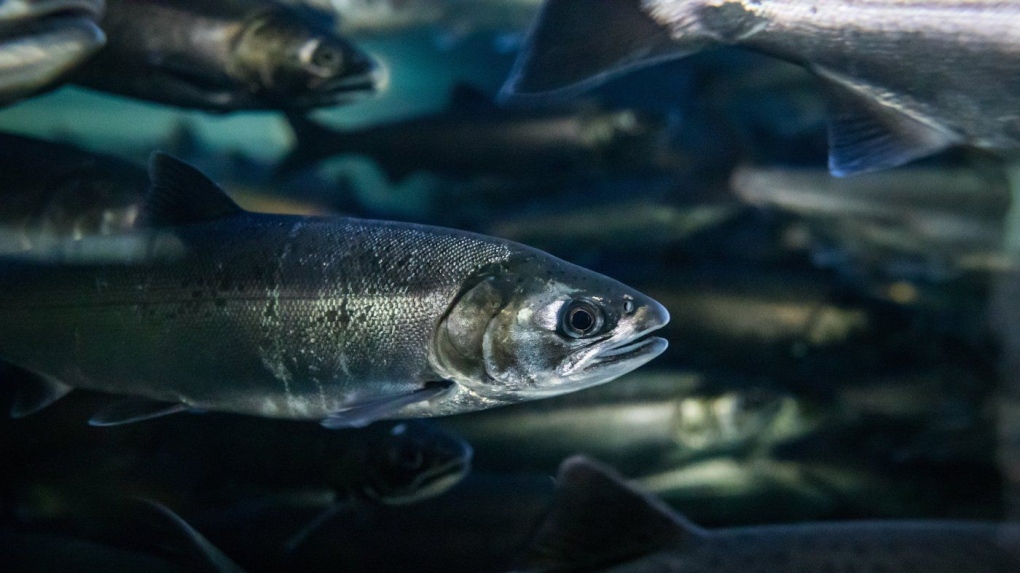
{"x":131,"y":410}
{"x":196,"y":544}
{"x":575,"y":45}
{"x":179,"y":194}
{"x":866,"y":135}
{"x":36,"y":391}
{"x":597,"y":519}
{"x":364,"y":413}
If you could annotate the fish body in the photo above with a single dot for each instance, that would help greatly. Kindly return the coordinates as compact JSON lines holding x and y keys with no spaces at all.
{"x":342,"y":320}
{"x":226,"y":56}
{"x":54,"y":192}
{"x":951,"y":218}
{"x":598,"y":523}
{"x":42,"y":41}
{"x":476,"y":138}
{"x":908,"y":78}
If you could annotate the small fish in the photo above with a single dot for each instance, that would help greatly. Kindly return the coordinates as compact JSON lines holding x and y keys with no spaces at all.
{"x":225,"y":56}
{"x":950,"y":219}
{"x":346,"y":321}
{"x":880,"y":59}
{"x":598,"y":523}
{"x":475,"y":137}
{"x":41,"y":41}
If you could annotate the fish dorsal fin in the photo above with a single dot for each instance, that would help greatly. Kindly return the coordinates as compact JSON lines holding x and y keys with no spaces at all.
{"x":468,"y":97}
{"x":179,"y":194}
{"x":867,"y":135}
{"x":597,"y":519}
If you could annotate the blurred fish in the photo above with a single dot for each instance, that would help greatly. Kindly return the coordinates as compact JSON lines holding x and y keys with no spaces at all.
{"x":474,"y":137}
{"x":41,"y":41}
{"x":225,"y":56}
{"x":647,"y":420}
{"x":135,"y":536}
{"x":617,"y":225}
{"x":345,"y":321}
{"x":199,"y":461}
{"x":479,"y":527}
{"x":452,"y":20}
{"x":55,"y":191}
{"x":879,"y":59}
{"x":951,"y":217}
{"x":597,"y":522}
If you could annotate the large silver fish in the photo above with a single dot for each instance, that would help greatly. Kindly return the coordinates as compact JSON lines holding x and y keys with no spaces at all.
{"x":341,"y":320}
{"x":598,"y":523}
{"x":909,"y":77}
{"x":42,"y":40}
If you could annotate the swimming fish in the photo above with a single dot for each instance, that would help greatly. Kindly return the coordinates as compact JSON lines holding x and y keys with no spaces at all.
{"x":598,"y":523}
{"x":340,"y":320}
{"x":41,"y":41}
{"x":475,"y":137}
{"x":908,"y":78}
{"x":224,"y":56}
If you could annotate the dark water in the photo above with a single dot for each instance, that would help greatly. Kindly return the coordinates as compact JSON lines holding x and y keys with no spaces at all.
{"x":838,"y":351}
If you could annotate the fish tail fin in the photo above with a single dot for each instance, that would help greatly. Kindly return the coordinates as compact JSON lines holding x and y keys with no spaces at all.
{"x":575,"y":45}
{"x":307,"y":148}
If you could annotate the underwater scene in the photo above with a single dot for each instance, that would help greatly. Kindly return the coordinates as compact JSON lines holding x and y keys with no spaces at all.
{"x":686,"y":286}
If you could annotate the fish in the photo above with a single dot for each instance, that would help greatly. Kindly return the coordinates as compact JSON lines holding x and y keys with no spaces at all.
{"x":346,"y":321}
{"x":56,"y":191}
{"x":202,"y":461}
{"x":648,"y":419}
{"x":949,"y":218}
{"x":126,"y":536}
{"x":227,"y":56}
{"x":878,"y":59}
{"x":599,"y":523}
{"x":42,"y":41}
{"x":475,"y":137}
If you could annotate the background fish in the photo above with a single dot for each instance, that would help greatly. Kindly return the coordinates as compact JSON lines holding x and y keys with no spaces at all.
{"x":477,"y":138}
{"x":340,"y":320}
{"x":598,"y":523}
{"x":41,"y":41}
{"x":224,"y":56}
{"x":879,"y":59}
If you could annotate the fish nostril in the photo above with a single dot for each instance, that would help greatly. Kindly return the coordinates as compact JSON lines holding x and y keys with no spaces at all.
{"x":628,"y":307}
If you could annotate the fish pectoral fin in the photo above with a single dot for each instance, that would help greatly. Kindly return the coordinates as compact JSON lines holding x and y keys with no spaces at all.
{"x":364,"y":413}
{"x":36,"y":391}
{"x":574,"y":46}
{"x":867,"y":135}
{"x":131,"y":410}
{"x":179,"y":194}
{"x":596,"y":519}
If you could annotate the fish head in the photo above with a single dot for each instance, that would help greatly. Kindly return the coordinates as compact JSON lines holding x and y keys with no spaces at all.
{"x":414,"y":461}
{"x":292,"y":61}
{"x":41,"y":41}
{"x":540,"y":327}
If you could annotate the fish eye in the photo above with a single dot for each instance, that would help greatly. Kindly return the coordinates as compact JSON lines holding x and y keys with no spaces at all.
{"x":581,"y":318}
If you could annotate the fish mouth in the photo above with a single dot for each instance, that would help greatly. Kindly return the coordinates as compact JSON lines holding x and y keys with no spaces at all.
{"x":640,"y":346}
{"x":360,"y":85}
{"x":24,"y":17}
